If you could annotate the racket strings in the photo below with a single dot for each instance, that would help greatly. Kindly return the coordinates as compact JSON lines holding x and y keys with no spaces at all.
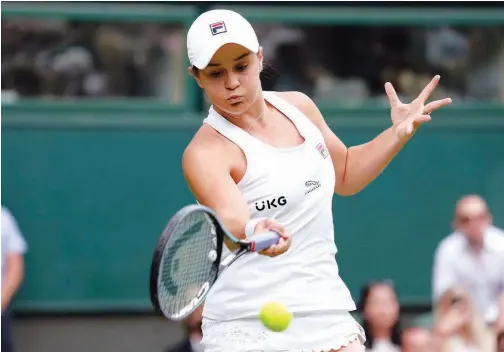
{"x":185,"y":266}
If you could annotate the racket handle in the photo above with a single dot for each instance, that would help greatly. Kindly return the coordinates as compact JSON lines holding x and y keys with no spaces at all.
{"x":263,"y":240}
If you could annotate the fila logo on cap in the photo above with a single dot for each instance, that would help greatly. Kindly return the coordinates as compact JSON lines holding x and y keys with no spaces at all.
{"x":218,"y":28}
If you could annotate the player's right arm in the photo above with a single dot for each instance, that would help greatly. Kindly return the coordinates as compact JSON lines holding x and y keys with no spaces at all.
{"x":207,"y":170}
{"x":209,"y":178}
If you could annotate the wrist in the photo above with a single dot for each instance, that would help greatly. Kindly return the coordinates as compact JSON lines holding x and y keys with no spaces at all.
{"x":251,"y":225}
{"x":400,"y":134}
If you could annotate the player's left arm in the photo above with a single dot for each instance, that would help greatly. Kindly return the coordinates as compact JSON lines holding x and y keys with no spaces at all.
{"x":357,"y":166}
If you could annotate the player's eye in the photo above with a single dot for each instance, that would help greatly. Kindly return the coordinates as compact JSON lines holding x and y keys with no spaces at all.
{"x":241,"y":68}
{"x":215,"y":74}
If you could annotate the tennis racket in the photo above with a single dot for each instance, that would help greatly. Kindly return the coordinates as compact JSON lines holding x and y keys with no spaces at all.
{"x":187,"y":259}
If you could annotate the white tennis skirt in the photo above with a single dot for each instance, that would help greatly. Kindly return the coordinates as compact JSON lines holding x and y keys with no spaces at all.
{"x":309,"y":332}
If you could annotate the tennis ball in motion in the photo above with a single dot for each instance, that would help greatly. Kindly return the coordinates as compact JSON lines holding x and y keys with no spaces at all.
{"x":275,"y":316}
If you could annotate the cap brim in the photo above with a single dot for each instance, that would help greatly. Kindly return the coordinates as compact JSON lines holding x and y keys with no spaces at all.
{"x":204,"y":59}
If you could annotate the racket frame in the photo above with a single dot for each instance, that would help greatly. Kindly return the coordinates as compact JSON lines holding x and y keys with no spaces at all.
{"x":163,"y":240}
{"x":246,"y":245}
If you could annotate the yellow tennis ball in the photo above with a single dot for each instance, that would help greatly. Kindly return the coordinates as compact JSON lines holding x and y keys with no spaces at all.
{"x":275,"y":316}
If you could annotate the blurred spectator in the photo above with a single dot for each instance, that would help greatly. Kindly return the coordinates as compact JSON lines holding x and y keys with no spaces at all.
{"x":193,"y":333}
{"x":13,"y":248}
{"x":294,"y":69}
{"x":418,"y":340}
{"x":380,"y":312}
{"x":459,"y":326}
{"x":333,"y":63}
{"x":472,"y":257}
{"x":58,"y":58}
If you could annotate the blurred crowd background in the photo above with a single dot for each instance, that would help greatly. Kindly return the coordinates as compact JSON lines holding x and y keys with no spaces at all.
{"x":55,"y":58}
{"x":97,"y":107}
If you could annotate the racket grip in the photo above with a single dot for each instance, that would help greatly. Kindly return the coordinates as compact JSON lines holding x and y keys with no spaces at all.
{"x":263,"y":240}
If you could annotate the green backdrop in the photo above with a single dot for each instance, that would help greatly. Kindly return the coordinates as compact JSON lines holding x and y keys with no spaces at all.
{"x":93,"y":190}
{"x":92,"y":184}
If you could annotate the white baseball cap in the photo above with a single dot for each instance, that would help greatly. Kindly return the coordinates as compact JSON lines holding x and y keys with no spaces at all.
{"x":213,"y":29}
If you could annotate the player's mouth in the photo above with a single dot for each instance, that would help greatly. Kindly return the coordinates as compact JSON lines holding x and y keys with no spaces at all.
{"x":235,"y":99}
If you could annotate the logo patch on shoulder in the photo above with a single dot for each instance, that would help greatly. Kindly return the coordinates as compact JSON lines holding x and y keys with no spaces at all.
{"x":218,"y":28}
{"x":322,"y":150}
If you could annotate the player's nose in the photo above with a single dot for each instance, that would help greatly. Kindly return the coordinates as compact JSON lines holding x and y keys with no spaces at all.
{"x":232,"y":81}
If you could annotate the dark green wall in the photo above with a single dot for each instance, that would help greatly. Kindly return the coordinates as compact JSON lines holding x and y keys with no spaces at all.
{"x":92,"y":191}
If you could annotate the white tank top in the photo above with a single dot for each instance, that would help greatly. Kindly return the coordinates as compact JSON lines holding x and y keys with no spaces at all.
{"x":295,"y":186}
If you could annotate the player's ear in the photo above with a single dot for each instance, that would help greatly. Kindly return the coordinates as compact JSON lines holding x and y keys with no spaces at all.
{"x":194,"y":72}
{"x":260,"y":57}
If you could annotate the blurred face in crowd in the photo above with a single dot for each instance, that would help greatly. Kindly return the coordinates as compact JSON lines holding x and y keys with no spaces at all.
{"x":417,"y":340}
{"x":381,"y":308}
{"x":231,"y":79}
{"x":472,"y":218}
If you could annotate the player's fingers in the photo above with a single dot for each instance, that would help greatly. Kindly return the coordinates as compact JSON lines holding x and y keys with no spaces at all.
{"x":268,"y":251}
{"x":391,"y":94}
{"x":422,"y":118}
{"x":278,"y":228}
{"x":409,"y":129}
{"x":429,"y":89}
{"x":272,"y":251}
{"x":261,"y":226}
{"x":270,"y":225}
{"x":280,"y":248}
{"x":276,"y":249}
{"x":433,"y":106}
{"x":273,"y":225}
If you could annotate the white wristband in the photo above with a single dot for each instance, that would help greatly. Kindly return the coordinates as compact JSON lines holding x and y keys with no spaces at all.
{"x":250,"y":226}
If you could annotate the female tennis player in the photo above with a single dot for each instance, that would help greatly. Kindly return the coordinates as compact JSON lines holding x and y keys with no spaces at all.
{"x":268,"y":161}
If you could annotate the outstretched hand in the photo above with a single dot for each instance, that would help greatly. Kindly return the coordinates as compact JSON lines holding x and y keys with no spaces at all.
{"x":408,"y":117}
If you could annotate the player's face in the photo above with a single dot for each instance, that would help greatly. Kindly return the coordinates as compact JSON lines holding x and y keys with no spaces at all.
{"x":231,"y":79}
{"x":382,"y":308}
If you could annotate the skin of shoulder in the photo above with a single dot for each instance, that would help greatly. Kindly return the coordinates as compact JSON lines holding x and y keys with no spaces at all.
{"x":207,"y":166}
{"x":306,"y":105}
{"x":337,"y":150}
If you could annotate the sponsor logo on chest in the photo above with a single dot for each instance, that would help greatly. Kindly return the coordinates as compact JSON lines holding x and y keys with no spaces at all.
{"x":311,"y":186}
{"x":271,"y":203}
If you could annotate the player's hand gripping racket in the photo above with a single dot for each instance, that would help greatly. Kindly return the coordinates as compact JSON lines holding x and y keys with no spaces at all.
{"x":187,"y":259}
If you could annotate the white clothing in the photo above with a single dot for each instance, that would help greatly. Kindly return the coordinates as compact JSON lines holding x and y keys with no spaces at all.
{"x":12,"y":239}
{"x":295,"y":186}
{"x":320,"y":332}
{"x":481,"y":274}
